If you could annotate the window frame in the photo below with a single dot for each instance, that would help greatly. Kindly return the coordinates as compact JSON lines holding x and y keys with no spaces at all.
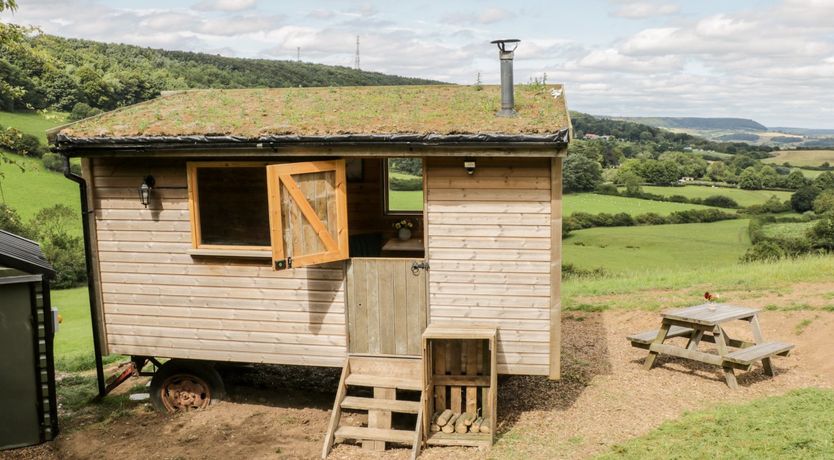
{"x":385,"y":191}
{"x":194,"y":201}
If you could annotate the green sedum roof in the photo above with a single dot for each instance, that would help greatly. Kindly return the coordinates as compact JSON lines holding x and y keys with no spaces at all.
{"x":369,"y":110}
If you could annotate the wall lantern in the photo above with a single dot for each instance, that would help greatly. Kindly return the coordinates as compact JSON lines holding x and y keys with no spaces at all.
{"x":145,"y":190}
{"x":469,"y":166}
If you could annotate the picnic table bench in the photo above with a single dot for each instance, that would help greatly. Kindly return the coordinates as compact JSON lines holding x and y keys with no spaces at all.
{"x":703,"y":323}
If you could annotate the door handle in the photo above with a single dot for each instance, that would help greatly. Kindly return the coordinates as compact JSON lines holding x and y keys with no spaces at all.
{"x":417,"y":266}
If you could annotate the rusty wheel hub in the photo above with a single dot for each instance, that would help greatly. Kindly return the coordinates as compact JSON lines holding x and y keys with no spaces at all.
{"x":184,"y":393}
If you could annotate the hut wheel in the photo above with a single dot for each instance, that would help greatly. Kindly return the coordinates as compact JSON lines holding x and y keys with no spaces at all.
{"x":182,"y":385}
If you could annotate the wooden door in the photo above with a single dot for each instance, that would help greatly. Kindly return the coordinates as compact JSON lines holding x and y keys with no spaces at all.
{"x":386,"y":301}
{"x":307,"y":213}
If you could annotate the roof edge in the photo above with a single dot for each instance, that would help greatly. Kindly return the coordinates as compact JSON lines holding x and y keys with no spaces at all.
{"x":65,"y":143}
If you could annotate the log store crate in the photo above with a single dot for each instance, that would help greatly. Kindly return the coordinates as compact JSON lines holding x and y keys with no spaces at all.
{"x":460,"y":382}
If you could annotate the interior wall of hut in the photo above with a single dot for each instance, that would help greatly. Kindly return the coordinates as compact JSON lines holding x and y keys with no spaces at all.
{"x":369,"y":225}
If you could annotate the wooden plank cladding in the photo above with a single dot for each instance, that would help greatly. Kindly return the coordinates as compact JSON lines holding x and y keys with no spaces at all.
{"x":490,"y":252}
{"x":386,"y":306}
{"x":158,"y":300}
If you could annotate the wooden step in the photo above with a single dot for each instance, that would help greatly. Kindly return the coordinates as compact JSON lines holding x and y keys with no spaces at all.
{"x":375,"y":434}
{"x":363,"y":380}
{"x":393,"y":405}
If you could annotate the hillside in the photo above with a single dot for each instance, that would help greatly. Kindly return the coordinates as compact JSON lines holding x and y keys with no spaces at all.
{"x":697,"y":123}
{"x":58,"y":73}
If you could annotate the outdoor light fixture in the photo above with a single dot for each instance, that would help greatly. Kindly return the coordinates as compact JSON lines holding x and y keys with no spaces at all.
{"x":506,"y":48}
{"x":469,"y":166}
{"x":145,"y":190}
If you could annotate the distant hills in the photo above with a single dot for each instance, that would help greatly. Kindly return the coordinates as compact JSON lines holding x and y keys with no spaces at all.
{"x":46,"y":71}
{"x":700,"y":124}
{"x":740,"y":130}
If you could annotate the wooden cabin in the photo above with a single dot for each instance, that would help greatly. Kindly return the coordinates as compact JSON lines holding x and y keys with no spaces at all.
{"x":255,"y":226}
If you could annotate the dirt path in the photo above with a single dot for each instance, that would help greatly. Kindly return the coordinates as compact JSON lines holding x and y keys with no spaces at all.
{"x":604,"y":398}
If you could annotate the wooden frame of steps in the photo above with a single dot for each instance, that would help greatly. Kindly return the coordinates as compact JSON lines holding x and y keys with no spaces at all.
{"x":385,"y":375}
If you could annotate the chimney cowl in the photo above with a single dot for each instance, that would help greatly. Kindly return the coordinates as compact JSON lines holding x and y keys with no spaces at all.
{"x":506,"y":48}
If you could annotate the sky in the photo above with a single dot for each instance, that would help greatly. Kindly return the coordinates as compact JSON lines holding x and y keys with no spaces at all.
{"x":769,"y":60}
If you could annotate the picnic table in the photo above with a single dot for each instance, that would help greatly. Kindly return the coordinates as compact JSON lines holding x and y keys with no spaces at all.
{"x":705,"y":323}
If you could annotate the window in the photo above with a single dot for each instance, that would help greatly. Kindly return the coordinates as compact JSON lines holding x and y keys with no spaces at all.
{"x":229,"y":205}
{"x":404,"y":186}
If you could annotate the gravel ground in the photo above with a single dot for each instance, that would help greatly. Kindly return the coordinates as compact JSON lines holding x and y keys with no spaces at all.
{"x":604,"y":398}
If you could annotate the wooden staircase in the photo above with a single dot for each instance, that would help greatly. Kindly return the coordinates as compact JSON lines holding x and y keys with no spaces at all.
{"x":385,"y":375}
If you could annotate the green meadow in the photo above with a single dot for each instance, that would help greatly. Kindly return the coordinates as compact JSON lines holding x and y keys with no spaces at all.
{"x":802,"y":157}
{"x":27,"y":186}
{"x":743,"y":197}
{"x":34,"y":123}
{"x":594,"y":204}
{"x":624,"y":250}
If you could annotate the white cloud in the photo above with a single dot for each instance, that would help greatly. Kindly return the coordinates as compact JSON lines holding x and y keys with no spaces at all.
{"x":224,"y":5}
{"x":493,"y":15}
{"x":774,"y":63}
{"x":644,"y":10}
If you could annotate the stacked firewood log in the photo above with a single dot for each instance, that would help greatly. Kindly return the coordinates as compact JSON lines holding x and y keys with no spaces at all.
{"x":454,"y":422}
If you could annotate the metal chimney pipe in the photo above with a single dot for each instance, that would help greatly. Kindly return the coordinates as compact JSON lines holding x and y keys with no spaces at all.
{"x":506,"y":48}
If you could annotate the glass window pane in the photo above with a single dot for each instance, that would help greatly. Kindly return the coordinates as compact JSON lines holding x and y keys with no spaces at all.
{"x":234,"y":207}
{"x":405,"y":185}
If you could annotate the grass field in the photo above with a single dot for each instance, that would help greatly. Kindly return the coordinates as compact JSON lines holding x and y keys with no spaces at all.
{"x":595,"y":204}
{"x":400,"y":200}
{"x":623,"y":250}
{"x":742,"y":197}
{"x":74,"y":340}
{"x":802,"y":157}
{"x":28,"y":187}
{"x":796,"y":425}
{"x":33,"y":123}
{"x":787,"y":230}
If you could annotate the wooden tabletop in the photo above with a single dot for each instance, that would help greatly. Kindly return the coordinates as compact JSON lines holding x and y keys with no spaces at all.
{"x":396,"y":244}
{"x":710,"y":314}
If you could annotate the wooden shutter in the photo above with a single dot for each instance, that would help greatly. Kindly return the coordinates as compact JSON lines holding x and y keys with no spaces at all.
{"x":307,"y":213}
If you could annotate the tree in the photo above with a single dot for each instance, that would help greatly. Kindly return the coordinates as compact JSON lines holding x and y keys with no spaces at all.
{"x":10,"y":5}
{"x":10,"y":221}
{"x":718,"y":171}
{"x":824,"y":181}
{"x":822,"y":233}
{"x":824,"y":202}
{"x":796,"y":180}
{"x":660,"y":172}
{"x":51,"y":226}
{"x":750,"y":179}
{"x":803,"y":199}
{"x":582,"y":174}
{"x":690,"y":165}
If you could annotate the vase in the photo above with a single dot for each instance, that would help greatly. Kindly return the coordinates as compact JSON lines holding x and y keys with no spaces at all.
{"x":404,"y":234}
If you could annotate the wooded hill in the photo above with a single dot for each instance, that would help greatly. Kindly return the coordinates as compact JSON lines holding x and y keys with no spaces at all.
{"x":39,"y":71}
{"x":699,"y":123}
{"x":660,"y":140}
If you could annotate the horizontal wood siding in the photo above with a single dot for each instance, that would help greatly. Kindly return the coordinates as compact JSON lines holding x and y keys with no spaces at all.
{"x":489,"y":240}
{"x":158,"y":300}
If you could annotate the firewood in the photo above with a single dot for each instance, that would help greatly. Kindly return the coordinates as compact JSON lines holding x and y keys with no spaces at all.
{"x":434,"y":428}
{"x":460,"y":425}
{"x":485,"y":426}
{"x":444,"y":417}
{"x":450,"y":425}
{"x":476,"y":425}
{"x":468,"y":419}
